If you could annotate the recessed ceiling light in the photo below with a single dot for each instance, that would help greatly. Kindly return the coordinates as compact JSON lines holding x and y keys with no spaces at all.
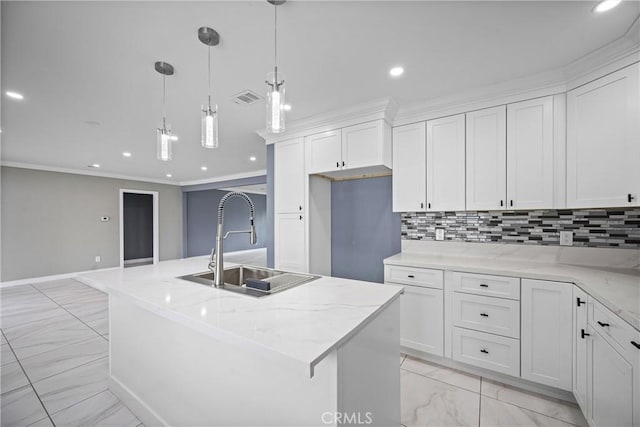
{"x":14,"y":95}
{"x":169,"y":175}
{"x":396,"y":71}
{"x":126,"y":154}
{"x":252,"y":158}
{"x":204,"y":168}
{"x":95,"y":165}
{"x":287,"y":107}
{"x":605,"y":5}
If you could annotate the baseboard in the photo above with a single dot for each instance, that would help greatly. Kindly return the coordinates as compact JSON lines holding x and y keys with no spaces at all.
{"x":138,"y":261}
{"x":50,"y":278}
{"x":493,"y":376}
{"x":141,"y":410}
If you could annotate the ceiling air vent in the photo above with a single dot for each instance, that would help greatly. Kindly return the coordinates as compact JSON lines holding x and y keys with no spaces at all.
{"x":246,"y":97}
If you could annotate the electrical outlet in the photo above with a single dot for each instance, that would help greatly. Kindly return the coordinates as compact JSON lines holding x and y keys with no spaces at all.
{"x":98,"y":258}
{"x":566,"y":238}
{"x":439,"y":234}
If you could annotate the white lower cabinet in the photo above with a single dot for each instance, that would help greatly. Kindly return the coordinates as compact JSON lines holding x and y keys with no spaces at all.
{"x":580,"y":348}
{"x":489,"y":351}
{"x":547,"y":342}
{"x":289,"y":248}
{"x":421,"y":307}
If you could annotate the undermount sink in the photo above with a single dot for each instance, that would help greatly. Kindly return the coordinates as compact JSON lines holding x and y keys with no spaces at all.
{"x":235,"y":279}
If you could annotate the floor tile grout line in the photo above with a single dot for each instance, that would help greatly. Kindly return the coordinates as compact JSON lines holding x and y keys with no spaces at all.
{"x":440,"y":381}
{"x":46,"y":411}
{"x":70,"y":369}
{"x":62,"y":307}
{"x":82,"y":400}
{"x":531,"y":410}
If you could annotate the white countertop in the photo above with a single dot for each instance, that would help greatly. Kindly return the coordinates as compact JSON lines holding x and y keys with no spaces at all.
{"x":303,"y":324}
{"x":616,"y":288}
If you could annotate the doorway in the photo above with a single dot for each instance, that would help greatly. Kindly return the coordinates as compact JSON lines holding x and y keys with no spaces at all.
{"x":138,"y":227}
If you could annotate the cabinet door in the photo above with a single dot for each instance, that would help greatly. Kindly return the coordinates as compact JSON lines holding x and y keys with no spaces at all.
{"x":289,"y":176}
{"x":325,"y":151}
{"x":603,"y":134}
{"x":364,"y":145}
{"x":445,"y":164}
{"x":289,"y":251}
{"x":409,"y":178}
{"x":611,"y":385}
{"x":530,"y":154}
{"x":486,"y":159}
{"x":580,"y":352}
{"x":546,"y":336}
{"x":422,"y":319}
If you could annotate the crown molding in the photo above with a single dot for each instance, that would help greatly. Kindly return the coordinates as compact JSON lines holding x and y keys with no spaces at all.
{"x":83,"y":172}
{"x":233,"y":177}
{"x":382,"y":108}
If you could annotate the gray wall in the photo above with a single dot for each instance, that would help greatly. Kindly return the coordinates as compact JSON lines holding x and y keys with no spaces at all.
{"x":51,"y":222}
{"x":364,"y":230}
{"x":202,"y":218}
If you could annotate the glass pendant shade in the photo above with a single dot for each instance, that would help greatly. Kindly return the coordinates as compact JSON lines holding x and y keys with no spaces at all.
{"x":275,"y":103}
{"x":209,"y":136}
{"x":165,"y":143}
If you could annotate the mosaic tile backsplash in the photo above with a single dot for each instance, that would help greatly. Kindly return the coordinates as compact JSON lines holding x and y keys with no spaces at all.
{"x":615,"y":227}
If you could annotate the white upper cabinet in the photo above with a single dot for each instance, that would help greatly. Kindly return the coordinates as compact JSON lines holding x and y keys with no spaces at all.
{"x":446,"y":164}
{"x":367,"y":144}
{"x":530,"y":150}
{"x":365,"y":147}
{"x":409,"y":168}
{"x":603,"y":141}
{"x":325,"y":151}
{"x":486,"y":167}
{"x":289,"y":176}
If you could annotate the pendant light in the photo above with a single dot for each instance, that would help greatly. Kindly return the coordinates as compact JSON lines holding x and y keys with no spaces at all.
{"x":209,"y":134}
{"x":275,"y":83}
{"x":165,"y":138}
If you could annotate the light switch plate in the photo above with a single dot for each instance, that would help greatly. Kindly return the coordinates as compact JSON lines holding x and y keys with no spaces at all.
{"x":98,"y":258}
{"x":566,"y":238}
{"x":439,"y":234}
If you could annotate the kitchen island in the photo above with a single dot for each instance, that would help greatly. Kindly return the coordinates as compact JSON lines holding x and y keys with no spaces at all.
{"x":182,"y":353}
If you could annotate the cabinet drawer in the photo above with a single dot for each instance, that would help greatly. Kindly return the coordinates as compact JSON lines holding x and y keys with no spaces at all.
{"x":487,"y":314}
{"x":414,"y":276}
{"x":611,"y":326}
{"x":484,"y":284}
{"x":487,"y":351}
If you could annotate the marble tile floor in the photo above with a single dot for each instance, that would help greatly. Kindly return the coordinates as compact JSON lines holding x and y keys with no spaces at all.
{"x":54,"y":370}
{"x":54,"y":357}
{"x":433,"y":395}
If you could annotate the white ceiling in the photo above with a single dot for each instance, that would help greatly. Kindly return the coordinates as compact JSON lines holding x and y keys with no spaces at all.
{"x":91,"y":92}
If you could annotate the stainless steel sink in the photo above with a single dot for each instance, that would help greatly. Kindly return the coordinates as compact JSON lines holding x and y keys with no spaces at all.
{"x":235,"y":279}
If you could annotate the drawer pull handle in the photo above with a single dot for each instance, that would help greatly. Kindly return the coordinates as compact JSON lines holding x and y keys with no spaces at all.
{"x":484,"y":315}
{"x":635,"y":344}
{"x":483,"y":285}
{"x":484,"y":351}
{"x":584,"y":334}
{"x":411,"y":276}
{"x":580,"y":302}
{"x":603,"y":324}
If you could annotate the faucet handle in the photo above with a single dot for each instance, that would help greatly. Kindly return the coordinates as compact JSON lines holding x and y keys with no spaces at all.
{"x":212,"y":259}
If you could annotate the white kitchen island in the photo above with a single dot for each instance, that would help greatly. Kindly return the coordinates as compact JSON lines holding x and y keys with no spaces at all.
{"x":182,"y":353}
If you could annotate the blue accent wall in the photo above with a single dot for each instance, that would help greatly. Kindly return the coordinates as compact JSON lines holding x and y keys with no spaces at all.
{"x":364,"y":230}
{"x":202,"y":218}
{"x":270,"y":206}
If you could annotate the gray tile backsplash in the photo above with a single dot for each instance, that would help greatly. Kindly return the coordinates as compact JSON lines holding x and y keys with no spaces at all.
{"x":614,"y":227}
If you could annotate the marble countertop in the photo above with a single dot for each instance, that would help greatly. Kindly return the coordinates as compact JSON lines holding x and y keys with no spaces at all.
{"x":302,"y":325}
{"x":616,"y":288}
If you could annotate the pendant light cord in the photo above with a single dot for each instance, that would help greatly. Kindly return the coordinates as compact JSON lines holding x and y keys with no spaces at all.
{"x":275,"y":42}
{"x":164,"y":96}
{"x":209,"y":69}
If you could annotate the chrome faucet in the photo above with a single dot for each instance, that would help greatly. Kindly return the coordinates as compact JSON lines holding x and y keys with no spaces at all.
{"x":216,"y":263}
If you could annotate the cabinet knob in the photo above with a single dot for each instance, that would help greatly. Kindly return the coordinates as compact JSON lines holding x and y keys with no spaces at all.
{"x":630,"y":197}
{"x":603,"y":324}
{"x":584,"y":334}
{"x":300,"y":207}
{"x":510,"y":202}
{"x":337,"y":164}
{"x":484,"y":351}
{"x":635,"y":344}
{"x":421,"y":205}
{"x":484,"y":285}
{"x":580,"y":302}
{"x":484,"y":314}
{"x":343,"y":165}
{"x":300,"y":217}
{"x":411,"y":276}
{"x":429,"y":205}
{"x":501,"y":202}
